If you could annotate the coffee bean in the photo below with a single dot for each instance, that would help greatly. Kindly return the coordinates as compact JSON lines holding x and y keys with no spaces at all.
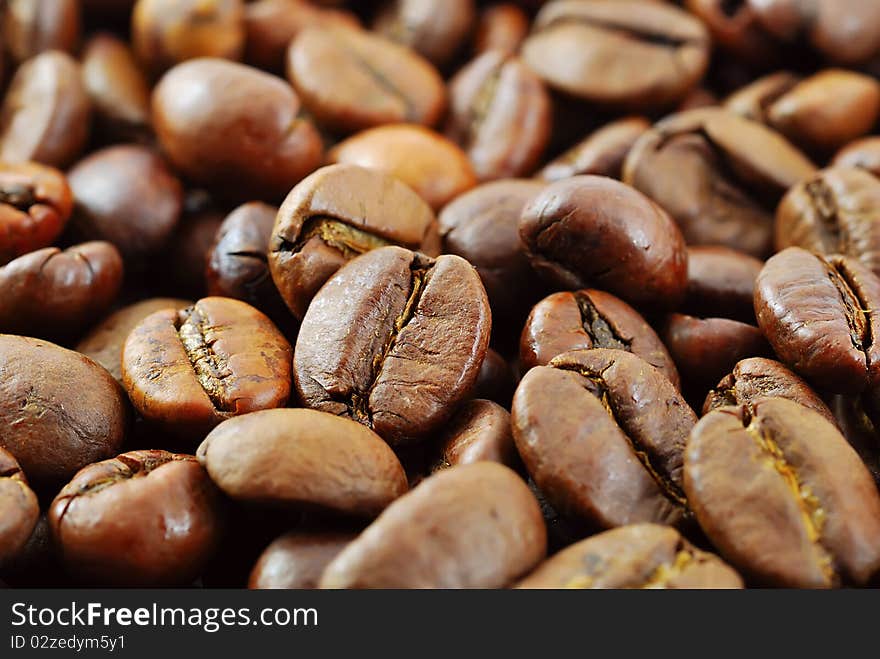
{"x":496,"y":380}
{"x":502,"y":27}
{"x":479,"y":431}
{"x":859,"y":429}
{"x":296,"y":559}
{"x":863,"y":153}
{"x":435,"y":29}
{"x":472,"y":526}
{"x":31,"y":27}
{"x":783,"y":496}
{"x":394,"y":340}
{"x":721,"y":283}
{"x":19,"y":508}
{"x":144,"y":518}
{"x":736,"y":28}
{"x":189,"y":252}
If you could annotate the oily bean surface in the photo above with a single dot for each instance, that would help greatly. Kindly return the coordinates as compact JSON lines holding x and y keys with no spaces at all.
{"x":19,"y":508}
{"x":479,"y":431}
{"x":296,"y":560}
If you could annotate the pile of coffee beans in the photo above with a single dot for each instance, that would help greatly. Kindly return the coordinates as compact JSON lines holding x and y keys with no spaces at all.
{"x":440,"y":293}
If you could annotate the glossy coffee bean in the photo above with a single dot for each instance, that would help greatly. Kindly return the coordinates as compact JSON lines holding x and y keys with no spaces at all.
{"x":587,"y":319}
{"x":601,"y":153}
{"x":336,"y":214}
{"x":500,"y":114}
{"x":303,"y":459}
{"x":46,"y":111}
{"x":780,"y":493}
{"x":629,"y":53}
{"x":752,"y":100}
{"x":472,"y":526}
{"x":350,"y":80}
{"x":52,"y":293}
{"x":757,"y":378}
{"x":31,"y":27}
{"x":189,"y":252}
{"x":186,"y":371}
{"x":503,"y":27}
{"x":234,"y":128}
{"x":126,"y":196}
{"x":594,"y":231}
{"x":821,"y":315}
{"x":167,"y":32}
{"x":19,"y":508}
{"x":836,"y":211}
{"x":719,"y":175}
{"x":104,"y":342}
{"x":435,"y":28}
{"x":394,"y":340}
{"x":643,"y":556}
{"x":863,"y":153}
{"x":433,"y":166}
{"x":482,"y":226}
{"x":35,"y":204}
{"x":479,"y":431}
{"x":296,"y":560}
{"x":144,"y":518}
{"x":736,"y":28}
{"x":612,"y":455}
{"x":859,"y":429}
{"x":496,"y":380}
{"x":721,"y":283}
{"x":60,"y":410}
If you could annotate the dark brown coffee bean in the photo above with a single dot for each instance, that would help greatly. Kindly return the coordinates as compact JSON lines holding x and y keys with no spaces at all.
{"x":145,"y":518}
{"x":36,"y":564}
{"x":479,"y":431}
{"x":297,"y":559}
{"x":435,"y":28}
{"x":859,"y":429}
{"x":594,"y":231}
{"x":336,"y":214}
{"x":104,"y":342}
{"x":502,"y":27}
{"x":126,"y":196}
{"x":721,"y":282}
{"x":303,"y":459}
{"x":863,"y":153}
{"x":644,"y":556}
{"x":19,"y":508}
{"x":433,"y":166}
{"x":837,"y":211}
{"x":783,"y":496}
{"x":500,"y":114}
{"x":46,"y":111}
{"x":234,"y":128}
{"x":60,"y":411}
{"x":752,"y":100}
{"x":350,"y":80}
{"x":167,"y":32}
{"x":496,"y":380}
{"x":186,"y":371}
{"x":587,"y":319}
{"x":601,"y":153}
{"x":57,"y":294}
{"x":395,"y":341}
{"x":736,"y":28}
{"x":821,"y":315}
{"x":472,"y":526}
{"x":718,"y":175}
{"x":31,"y":27}
{"x":482,"y":226}
{"x":189,"y":251}
{"x":757,"y":378}
{"x":612,"y":453}
{"x":629,"y":53}
{"x":35,"y":203}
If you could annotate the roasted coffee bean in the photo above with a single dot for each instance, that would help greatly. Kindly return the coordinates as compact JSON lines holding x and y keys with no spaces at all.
{"x":167,"y":32}
{"x":189,"y":251}
{"x":104,"y":342}
{"x":430,"y":164}
{"x":46,"y":111}
{"x":336,"y":214}
{"x":19,"y":508}
{"x":297,"y":559}
{"x":601,"y":153}
{"x":60,"y":411}
{"x":780,"y":493}
{"x":144,"y":518}
{"x":126,"y":196}
{"x":303,"y":459}
{"x":31,"y":27}
{"x":698,"y":97}
{"x":479,"y":431}
{"x":643,"y":556}
{"x":863,"y":153}
{"x":587,"y":319}
{"x":719,"y":175}
{"x":186,"y":371}
{"x":472,"y":526}
{"x":50,"y":293}
{"x":118,"y":90}
{"x":350,"y":80}
{"x":234,"y":128}
{"x":753,"y":100}
{"x":501,"y":27}
{"x":36,"y":564}
{"x":837,"y":211}
{"x":629,"y":53}
{"x":594,"y":231}
{"x":35,"y":203}
{"x":860,"y":431}
{"x":736,"y":28}
{"x":721,"y":282}
{"x":394,"y":340}
{"x":612,"y":453}
{"x":500,"y":114}
{"x":435,"y":28}
{"x":496,"y":380}
{"x":482,"y":226}
{"x":821,"y":315}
